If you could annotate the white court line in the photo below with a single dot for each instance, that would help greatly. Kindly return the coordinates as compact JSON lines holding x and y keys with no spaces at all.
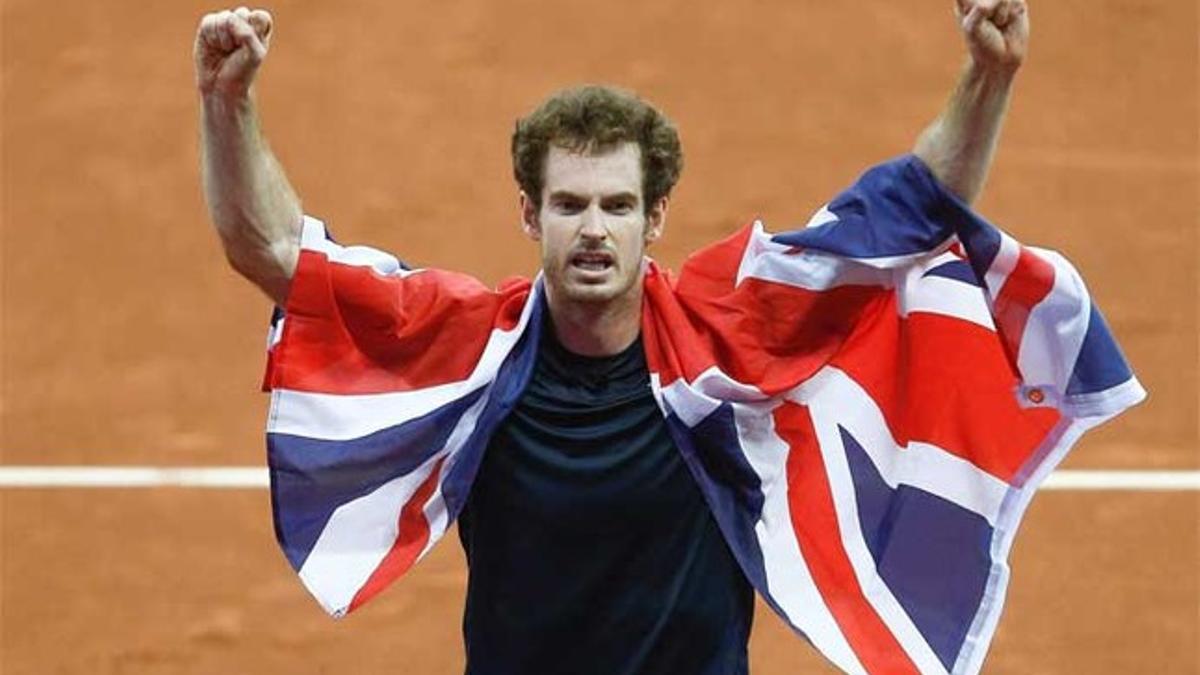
{"x":132,"y":476}
{"x":1123,"y":480}
{"x":242,"y":477}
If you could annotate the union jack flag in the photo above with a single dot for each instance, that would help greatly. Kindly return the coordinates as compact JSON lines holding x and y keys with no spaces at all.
{"x":867,"y":404}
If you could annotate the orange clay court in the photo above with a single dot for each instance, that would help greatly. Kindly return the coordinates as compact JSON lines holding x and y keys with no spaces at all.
{"x":127,"y":341}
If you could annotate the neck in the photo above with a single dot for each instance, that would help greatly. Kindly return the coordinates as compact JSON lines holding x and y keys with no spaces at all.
{"x":597,"y":329}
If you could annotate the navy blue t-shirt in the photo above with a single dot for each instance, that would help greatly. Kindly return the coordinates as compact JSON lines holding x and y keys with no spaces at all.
{"x":590,"y":547}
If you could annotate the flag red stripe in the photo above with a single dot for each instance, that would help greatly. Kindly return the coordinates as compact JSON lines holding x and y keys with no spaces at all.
{"x":814,"y":520}
{"x":413,"y":534}
{"x":350,"y":330}
{"x":1030,"y":281}
{"x":946,"y":382}
{"x":768,"y":334}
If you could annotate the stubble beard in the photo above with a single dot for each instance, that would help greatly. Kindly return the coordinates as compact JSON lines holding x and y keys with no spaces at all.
{"x":590,"y":296}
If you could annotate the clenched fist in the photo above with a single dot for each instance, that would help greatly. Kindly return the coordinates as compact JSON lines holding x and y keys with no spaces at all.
{"x":230,"y":47}
{"x":996,"y":31}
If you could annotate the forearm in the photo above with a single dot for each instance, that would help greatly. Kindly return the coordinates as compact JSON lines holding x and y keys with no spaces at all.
{"x":252,"y":205}
{"x":959,"y":145}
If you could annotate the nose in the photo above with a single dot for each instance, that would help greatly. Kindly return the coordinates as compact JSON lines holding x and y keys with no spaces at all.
{"x":591,"y":224}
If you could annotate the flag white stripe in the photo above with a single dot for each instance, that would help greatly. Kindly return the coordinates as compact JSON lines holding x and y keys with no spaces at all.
{"x":949,"y":297}
{"x":342,"y":417}
{"x":812,"y":270}
{"x":355,"y":535}
{"x":921,"y":465}
{"x":313,"y":237}
{"x":339,"y":417}
{"x":789,"y":580}
{"x":437,"y":515}
{"x":1002,"y":265}
{"x":1055,"y":329}
{"x":824,"y":407}
{"x":356,"y":539}
{"x":1053,"y":449}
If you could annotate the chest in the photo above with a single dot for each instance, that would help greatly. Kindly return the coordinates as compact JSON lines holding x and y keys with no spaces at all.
{"x":586,"y":462}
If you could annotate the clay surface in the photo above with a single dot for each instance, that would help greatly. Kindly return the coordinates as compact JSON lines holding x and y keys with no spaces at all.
{"x":125,"y":339}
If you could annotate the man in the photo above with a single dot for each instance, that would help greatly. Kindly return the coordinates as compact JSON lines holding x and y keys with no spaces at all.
{"x":604,"y":531}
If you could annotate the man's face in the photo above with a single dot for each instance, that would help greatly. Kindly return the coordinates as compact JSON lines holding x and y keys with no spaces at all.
{"x":592,"y":224}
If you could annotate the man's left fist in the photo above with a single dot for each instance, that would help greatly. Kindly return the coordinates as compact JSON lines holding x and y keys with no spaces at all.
{"x":996,"y":31}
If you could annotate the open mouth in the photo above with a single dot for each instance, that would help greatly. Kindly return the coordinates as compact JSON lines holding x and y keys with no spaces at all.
{"x":592,"y":261}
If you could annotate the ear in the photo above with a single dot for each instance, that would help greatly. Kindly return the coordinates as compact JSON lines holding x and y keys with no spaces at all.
{"x":529,"y":218}
{"x":656,"y":220}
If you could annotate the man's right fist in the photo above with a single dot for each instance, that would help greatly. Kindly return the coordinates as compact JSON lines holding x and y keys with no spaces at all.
{"x":230,"y":46}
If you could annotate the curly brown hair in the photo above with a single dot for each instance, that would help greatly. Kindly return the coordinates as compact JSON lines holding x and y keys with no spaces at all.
{"x":596,"y":118}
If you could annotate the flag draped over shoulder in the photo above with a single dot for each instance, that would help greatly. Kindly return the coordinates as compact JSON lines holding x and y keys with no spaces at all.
{"x":867,"y":405}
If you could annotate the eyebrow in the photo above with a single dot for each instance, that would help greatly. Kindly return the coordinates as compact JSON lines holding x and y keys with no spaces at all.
{"x":567,"y":194}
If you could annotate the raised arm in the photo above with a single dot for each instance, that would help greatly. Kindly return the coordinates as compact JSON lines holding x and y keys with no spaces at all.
{"x":252,"y":205}
{"x":959,"y":144}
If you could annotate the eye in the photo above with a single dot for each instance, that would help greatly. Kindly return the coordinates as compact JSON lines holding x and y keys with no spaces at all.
{"x":621,"y":207}
{"x":568,"y":205}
